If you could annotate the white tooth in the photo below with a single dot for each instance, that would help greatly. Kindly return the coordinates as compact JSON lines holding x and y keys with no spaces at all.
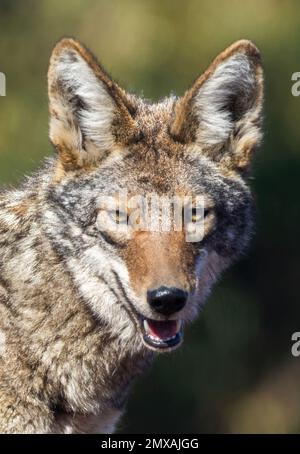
{"x":146,"y":326}
{"x":178,"y":325}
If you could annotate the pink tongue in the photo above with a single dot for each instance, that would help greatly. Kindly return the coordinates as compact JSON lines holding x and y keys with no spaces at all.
{"x":163,"y":330}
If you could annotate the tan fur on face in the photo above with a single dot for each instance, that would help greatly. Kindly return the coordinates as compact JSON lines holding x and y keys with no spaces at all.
{"x":155,"y":259}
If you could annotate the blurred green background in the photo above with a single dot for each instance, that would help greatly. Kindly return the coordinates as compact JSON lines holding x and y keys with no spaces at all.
{"x":235,"y":371}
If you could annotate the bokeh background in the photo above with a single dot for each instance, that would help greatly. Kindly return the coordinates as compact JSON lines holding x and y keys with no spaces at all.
{"x":235,"y":371}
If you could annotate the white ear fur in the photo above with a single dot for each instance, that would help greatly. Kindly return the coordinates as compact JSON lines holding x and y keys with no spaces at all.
{"x":81,"y":102}
{"x":231,"y":78}
{"x":96,"y":115}
{"x":222,"y":110}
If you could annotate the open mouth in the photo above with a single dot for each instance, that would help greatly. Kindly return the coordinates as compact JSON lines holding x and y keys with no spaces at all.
{"x":162,"y":334}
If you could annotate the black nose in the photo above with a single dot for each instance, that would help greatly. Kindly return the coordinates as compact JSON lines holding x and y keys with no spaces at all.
{"x":167,"y":300}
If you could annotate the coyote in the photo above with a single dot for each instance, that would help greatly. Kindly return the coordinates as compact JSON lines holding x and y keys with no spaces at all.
{"x":84,"y":309}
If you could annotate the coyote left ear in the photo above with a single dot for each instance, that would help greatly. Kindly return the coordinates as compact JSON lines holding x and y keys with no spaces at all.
{"x":221,"y":112}
{"x":89,"y":113}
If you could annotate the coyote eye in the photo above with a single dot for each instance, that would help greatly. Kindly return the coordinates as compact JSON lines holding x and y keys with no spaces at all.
{"x":206,"y":212}
{"x":196,"y":216}
{"x":119,"y":217}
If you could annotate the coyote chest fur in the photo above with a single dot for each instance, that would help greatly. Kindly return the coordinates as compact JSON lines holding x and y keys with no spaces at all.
{"x":90,"y":291}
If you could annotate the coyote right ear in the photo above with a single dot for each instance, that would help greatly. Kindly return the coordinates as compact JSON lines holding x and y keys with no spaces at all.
{"x":221,"y":112}
{"x":89,"y":113}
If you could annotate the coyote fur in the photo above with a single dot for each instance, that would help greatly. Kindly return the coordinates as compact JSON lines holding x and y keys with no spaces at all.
{"x":85,"y":309}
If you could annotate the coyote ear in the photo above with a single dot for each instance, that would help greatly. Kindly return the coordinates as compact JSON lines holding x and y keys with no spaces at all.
{"x":89,"y":113}
{"x":221,"y":112}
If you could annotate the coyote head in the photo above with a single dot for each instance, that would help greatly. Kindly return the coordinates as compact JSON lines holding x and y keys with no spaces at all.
{"x":146,"y":283}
